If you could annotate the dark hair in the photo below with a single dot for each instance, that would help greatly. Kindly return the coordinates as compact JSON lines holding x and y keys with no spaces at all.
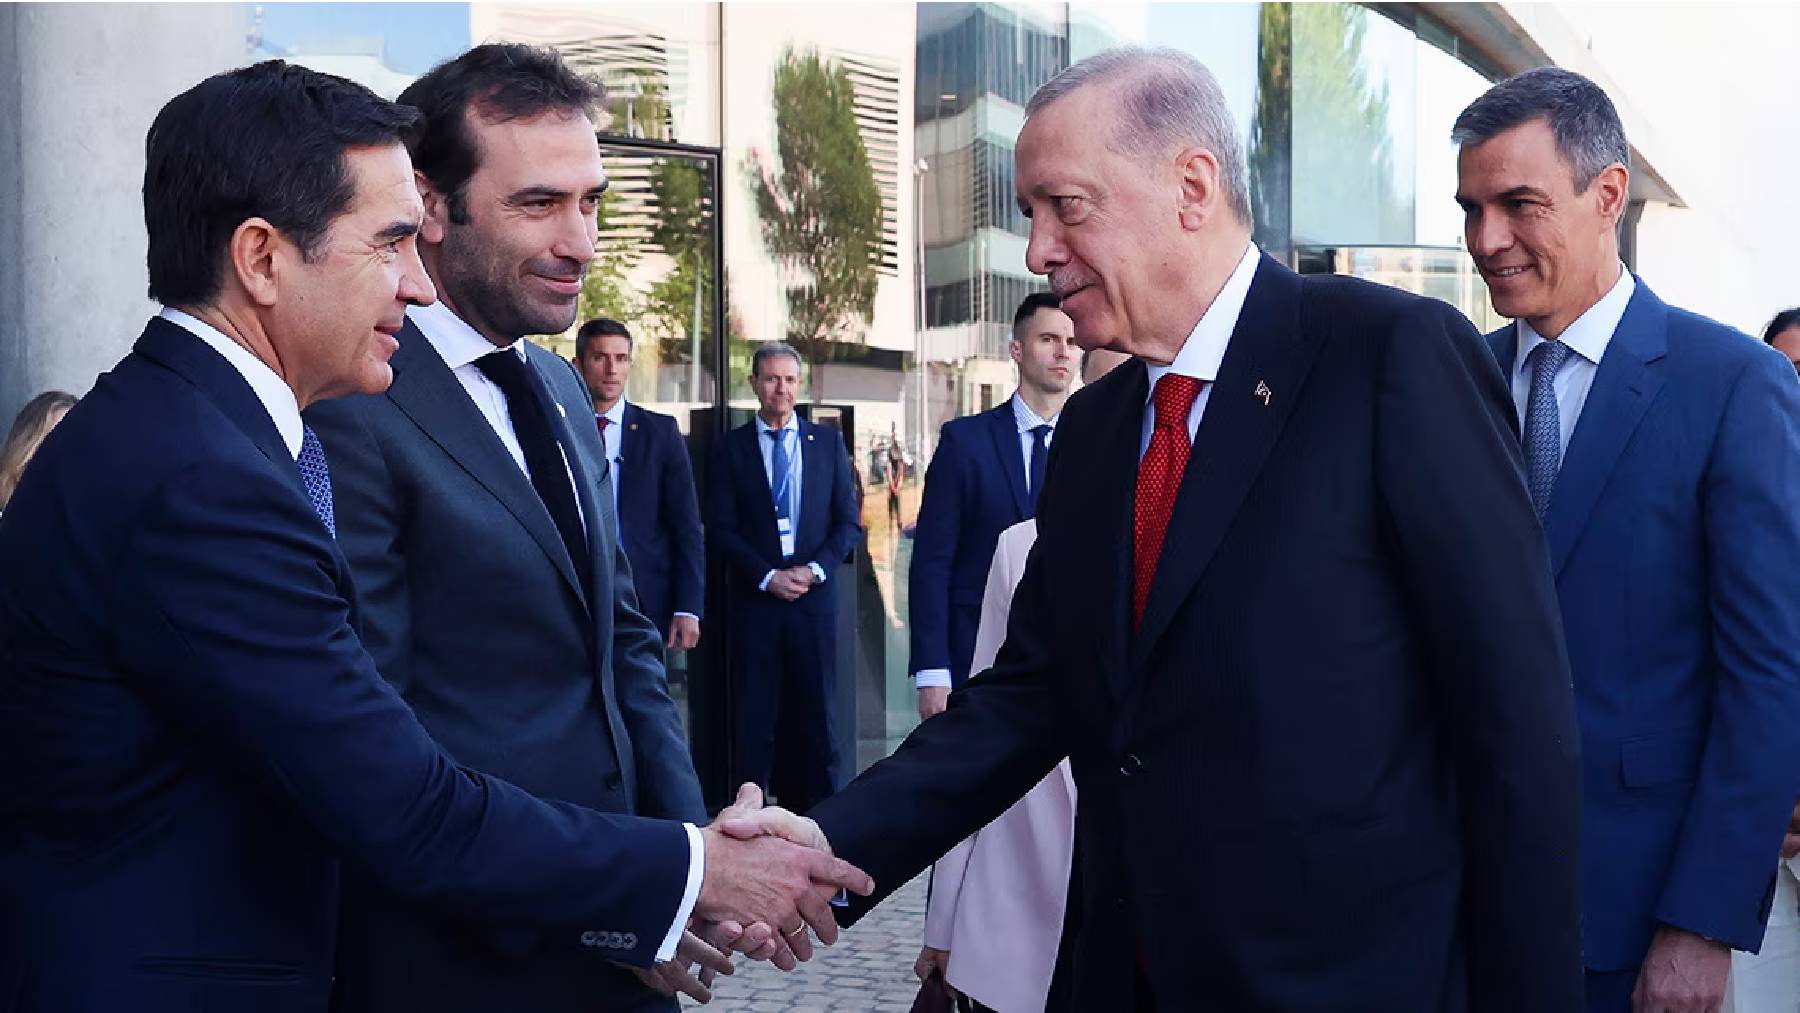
{"x":1783,"y":320}
{"x":499,"y":80}
{"x":1588,"y":133}
{"x":584,"y":338}
{"x":265,"y":141}
{"x":1034,"y":302}
{"x":773,"y":350}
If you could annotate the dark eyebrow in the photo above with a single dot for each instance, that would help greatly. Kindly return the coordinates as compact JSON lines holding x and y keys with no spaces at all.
{"x":536,"y":193}
{"x":397,"y":230}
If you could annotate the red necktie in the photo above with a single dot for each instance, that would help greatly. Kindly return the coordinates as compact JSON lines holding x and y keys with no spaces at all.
{"x":601,"y":421}
{"x":1158,"y":480}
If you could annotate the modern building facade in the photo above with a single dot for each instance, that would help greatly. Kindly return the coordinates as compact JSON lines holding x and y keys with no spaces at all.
{"x":712,"y":135}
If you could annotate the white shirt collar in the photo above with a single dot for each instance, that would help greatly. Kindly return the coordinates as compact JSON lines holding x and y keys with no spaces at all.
{"x":793,"y":423}
{"x":1204,"y":349}
{"x":1591,"y":332}
{"x":615,"y":414}
{"x":276,"y":396}
{"x":1027,"y":419}
{"x":458,"y":343}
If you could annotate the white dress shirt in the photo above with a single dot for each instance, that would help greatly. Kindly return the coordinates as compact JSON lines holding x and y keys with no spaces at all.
{"x":460,"y":345}
{"x":1027,"y":420}
{"x":276,"y":396}
{"x":1587,"y":337}
{"x":1204,"y":348}
{"x":790,"y":434}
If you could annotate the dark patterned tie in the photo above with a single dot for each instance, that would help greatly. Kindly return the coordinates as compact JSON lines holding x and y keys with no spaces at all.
{"x":315,"y":474}
{"x":1158,"y":481}
{"x":1543,"y":423}
{"x":528,"y":405}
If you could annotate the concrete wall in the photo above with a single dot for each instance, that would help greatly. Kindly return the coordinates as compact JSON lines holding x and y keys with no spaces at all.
{"x":79,"y":85}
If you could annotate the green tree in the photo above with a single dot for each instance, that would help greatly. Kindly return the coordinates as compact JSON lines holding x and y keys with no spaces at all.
{"x":680,"y":304}
{"x":1345,"y":164}
{"x":1271,"y":135}
{"x":819,"y":206}
{"x":605,"y":292}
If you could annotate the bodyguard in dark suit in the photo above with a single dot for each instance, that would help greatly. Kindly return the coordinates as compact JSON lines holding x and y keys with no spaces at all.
{"x":480,"y":527}
{"x":1289,"y":615}
{"x":653,"y":488}
{"x":781,"y":514}
{"x":1663,"y":453}
{"x":984,"y":478}
{"x":193,"y":733}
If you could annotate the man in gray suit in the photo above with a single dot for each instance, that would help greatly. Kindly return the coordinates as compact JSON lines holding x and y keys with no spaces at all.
{"x":480,"y":530}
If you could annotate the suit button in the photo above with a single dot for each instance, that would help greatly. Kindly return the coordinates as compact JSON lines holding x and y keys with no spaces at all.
{"x":614,"y":782}
{"x":1119,"y":902}
{"x":1130,"y":765}
{"x":590,"y":938}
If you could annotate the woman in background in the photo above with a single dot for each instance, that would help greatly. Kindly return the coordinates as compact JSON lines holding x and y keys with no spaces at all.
{"x":35,"y":420}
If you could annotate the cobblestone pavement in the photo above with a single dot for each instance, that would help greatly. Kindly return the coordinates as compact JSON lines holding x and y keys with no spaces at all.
{"x":870,"y":968}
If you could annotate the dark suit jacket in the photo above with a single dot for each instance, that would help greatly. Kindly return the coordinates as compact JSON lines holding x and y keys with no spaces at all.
{"x":192,"y":732}
{"x":1674,"y":534}
{"x":1336,"y":767}
{"x":974,"y":489}
{"x":660,"y":517}
{"x":472,"y":609}
{"x":740,"y":520}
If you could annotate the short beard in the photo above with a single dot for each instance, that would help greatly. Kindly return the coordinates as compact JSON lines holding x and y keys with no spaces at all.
{"x":481,"y":288}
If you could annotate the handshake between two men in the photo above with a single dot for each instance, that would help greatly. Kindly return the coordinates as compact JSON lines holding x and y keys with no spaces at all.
{"x":769,"y":878}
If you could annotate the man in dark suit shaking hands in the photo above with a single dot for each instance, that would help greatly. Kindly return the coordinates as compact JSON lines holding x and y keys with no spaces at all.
{"x":1289,"y":614}
{"x":475,"y":505}
{"x":781,"y":515}
{"x":652,"y":486}
{"x":1663,"y":453}
{"x":192,"y":730}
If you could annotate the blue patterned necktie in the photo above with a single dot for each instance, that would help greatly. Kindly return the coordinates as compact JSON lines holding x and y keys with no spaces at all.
{"x":1040,"y":455}
{"x":781,"y":473}
{"x":1543,"y":423}
{"x":316,"y":475}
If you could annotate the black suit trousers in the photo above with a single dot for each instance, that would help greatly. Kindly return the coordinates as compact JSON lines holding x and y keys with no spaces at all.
{"x":786,"y":664}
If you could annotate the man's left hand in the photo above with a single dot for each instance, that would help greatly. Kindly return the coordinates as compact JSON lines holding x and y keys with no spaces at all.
{"x":1682,"y":974}
{"x":684,"y":633}
{"x":804,"y":578}
{"x":668,"y":977}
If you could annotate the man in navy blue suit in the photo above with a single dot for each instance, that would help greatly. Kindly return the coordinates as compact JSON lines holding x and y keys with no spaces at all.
{"x":983,"y":479}
{"x":476,"y":508}
{"x":781,"y":515}
{"x":1662,"y":453}
{"x":196,"y":742}
{"x":653,"y":488}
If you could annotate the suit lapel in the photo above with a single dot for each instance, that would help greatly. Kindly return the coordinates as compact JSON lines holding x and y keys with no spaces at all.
{"x":1267,"y":351}
{"x":1119,"y":429}
{"x":427,"y":391}
{"x":1005,"y":432}
{"x":815,"y":482}
{"x":1627,"y":381}
{"x":636,"y":439}
{"x":1504,"y":343}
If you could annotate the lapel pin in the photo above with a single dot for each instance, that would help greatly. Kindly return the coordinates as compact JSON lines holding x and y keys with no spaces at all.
{"x":809,"y":437}
{"x":634,"y":427}
{"x":1263,"y":391}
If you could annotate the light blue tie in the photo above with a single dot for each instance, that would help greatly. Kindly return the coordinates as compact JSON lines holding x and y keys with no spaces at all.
{"x":316,"y":476}
{"x":1543,"y":423}
{"x":781,"y":479}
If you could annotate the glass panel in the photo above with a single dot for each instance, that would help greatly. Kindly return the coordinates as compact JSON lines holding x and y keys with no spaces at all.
{"x":1353,"y":126}
{"x":382,"y":46}
{"x":1439,"y":272}
{"x":1446,"y":86}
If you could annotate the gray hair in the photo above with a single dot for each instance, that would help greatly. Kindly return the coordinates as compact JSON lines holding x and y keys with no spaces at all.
{"x":1170,"y":99}
{"x":773,"y":350}
{"x":1588,"y":133}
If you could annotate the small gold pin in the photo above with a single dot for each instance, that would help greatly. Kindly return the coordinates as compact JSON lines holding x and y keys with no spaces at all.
{"x":1263,"y":391}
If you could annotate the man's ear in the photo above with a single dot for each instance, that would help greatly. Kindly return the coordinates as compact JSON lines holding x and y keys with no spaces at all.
{"x":437,"y":210}
{"x":1612,"y":188}
{"x":257,"y":255}
{"x":1202,"y":193}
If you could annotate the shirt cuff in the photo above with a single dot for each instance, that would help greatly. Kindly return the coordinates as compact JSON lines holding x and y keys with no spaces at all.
{"x":932,"y":677}
{"x":818,"y":571}
{"x":764,"y":586}
{"x":690,"y":615}
{"x":689,"y":897}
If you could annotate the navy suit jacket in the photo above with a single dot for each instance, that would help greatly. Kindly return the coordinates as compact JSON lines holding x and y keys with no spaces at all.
{"x":740,"y":520}
{"x":1334,"y":767}
{"x":472,"y":608}
{"x":1674,"y":531}
{"x":193,"y":734}
{"x":660,"y":517}
{"x":974,"y":489}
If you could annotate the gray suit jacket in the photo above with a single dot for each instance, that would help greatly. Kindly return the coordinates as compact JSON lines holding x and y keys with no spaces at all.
{"x":472,"y":608}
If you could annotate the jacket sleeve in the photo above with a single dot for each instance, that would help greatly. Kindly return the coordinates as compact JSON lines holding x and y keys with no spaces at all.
{"x":1730,"y":840}
{"x":681,"y":512}
{"x":227,"y":605}
{"x":1477,"y":568}
{"x":935,"y":537}
{"x":846,"y":523}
